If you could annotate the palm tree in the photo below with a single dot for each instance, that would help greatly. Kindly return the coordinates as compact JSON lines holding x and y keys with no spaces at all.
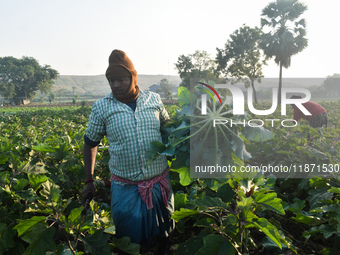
{"x":286,"y":36}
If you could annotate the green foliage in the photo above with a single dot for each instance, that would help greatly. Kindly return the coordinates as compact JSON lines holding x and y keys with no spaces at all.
{"x":249,"y":213}
{"x":330,"y":87}
{"x":227,"y":220}
{"x":74,"y":100}
{"x":190,"y":134}
{"x":41,"y":176}
{"x":196,"y":66}
{"x":242,"y":58}
{"x":22,"y":78}
{"x":286,"y":32}
{"x":51,"y":97}
{"x":166,"y":89}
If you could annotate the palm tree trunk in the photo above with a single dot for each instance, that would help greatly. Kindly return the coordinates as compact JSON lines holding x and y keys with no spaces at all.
{"x":280,"y":85}
{"x":254,"y":92}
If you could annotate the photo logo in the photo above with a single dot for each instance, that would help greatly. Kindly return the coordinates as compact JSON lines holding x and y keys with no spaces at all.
{"x":213,"y":90}
{"x":238,"y":99}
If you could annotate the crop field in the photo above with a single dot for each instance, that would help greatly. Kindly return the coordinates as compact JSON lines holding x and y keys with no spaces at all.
{"x":42,"y":176}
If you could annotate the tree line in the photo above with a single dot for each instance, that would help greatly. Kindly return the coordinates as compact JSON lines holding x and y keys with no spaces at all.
{"x":282,"y":35}
{"x":21,"y":78}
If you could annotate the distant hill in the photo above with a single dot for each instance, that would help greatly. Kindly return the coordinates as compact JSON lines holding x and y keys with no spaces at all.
{"x":98,"y":85}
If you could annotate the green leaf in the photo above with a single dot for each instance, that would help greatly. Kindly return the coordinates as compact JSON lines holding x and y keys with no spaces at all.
{"x":268,"y":229}
{"x":297,"y":206}
{"x":181,"y":200}
{"x":226,"y":193}
{"x":334,"y":190}
{"x":110,"y":230}
{"x":182,"y":130}
{"x":205,"y":222}
{"x":257,"y":134}
{"x":317,"y":196}
{"x":192,"y":245}
{"x":183,"y":213}
{"x":65,"y":250}
{"x":308,"y":220}
{"x":4,"y":177}
{"x":270,"y":202}
{"x":6,"y":238}
{"x":326,"y":230}
{"x":244,"y":203}
{"x":238,"y":146}
{"x":180,"y":161}
{"x":34,"y":168}
{"x":29,"y":195}
{"x":184,"y":175}
{"x":183,"y":96}
{"x":185,"y":111}
{"x":44,"y":148}
{"x":37,"y":180}
{"x":216,"y":245}
{"x":96,"y":243}
{"x":50,"y":191}
{"x":284,"y":152}
{"x":3,"y":159}
{"x":25,"y":225}
{"x":157,"y":148}
{"x":21,"y":184}
{"x":40,"y":240}
{"x":209,"y":202}
{"x":312,"y":152}
{"x":75,"y":216}
{"x":271,"y":246}
{"x":126,"y":245}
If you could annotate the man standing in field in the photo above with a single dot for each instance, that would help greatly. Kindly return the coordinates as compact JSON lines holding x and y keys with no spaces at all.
{"x":141,"y":196}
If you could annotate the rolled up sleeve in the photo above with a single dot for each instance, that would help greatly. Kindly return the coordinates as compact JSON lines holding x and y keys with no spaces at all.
{"x":96,"y":128}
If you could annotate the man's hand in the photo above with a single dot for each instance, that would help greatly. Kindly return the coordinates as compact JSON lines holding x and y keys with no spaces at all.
{"x":89,"y":161}
{"x":88,"y":194}
{"x":89,"y":191}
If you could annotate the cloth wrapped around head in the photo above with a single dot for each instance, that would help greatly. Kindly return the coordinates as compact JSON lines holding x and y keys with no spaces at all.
{"x":121,"y":66}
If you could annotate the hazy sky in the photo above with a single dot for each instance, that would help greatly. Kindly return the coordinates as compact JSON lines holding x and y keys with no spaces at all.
{"x":76,"y":37}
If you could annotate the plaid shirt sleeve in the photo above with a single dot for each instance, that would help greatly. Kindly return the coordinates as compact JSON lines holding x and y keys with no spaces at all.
{"x":163,"y":114}
{"x":96,"y":128}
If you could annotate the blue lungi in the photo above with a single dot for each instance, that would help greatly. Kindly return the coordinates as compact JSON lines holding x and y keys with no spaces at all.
{"x":131,"y":217}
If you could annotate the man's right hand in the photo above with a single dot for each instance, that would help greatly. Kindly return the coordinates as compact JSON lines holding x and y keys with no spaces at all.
{"x":89,"y":190}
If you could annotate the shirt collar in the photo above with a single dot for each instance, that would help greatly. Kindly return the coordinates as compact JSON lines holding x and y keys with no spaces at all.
{"x":142,"y":93}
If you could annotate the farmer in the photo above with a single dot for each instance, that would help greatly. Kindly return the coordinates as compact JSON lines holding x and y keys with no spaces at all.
{"x":318,"y":118}
{"x":141,"y":195}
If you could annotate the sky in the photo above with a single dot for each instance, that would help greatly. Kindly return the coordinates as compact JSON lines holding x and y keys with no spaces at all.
{"x":76,"y":37}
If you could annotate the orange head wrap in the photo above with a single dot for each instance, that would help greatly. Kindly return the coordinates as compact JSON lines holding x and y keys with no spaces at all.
{"x":121,"y":66}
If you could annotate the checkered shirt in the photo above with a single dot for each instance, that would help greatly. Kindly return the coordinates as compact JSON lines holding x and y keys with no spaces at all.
{"x":129,"y":134}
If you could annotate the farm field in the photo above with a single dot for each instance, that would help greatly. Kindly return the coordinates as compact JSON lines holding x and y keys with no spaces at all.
{"x":42,"y":176}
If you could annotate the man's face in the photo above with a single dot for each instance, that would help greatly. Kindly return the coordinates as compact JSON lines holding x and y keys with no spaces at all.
{"x":120,"y":85}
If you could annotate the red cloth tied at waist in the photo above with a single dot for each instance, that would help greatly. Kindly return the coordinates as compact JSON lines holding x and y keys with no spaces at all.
{"x":145,"y":187}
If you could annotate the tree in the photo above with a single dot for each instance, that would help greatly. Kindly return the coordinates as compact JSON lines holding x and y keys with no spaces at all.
{"x":51,"y":97}
{"x":286,"y":36}
{"x":331,"y":86}
{"x":60,"y":92}
{"x":165,"y":88}
{"x":74,"y":100}
{"x":22,"y":78}
{"x":242,"y":57}
{"x":195,"y":66}
{"x":169,"y":95}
